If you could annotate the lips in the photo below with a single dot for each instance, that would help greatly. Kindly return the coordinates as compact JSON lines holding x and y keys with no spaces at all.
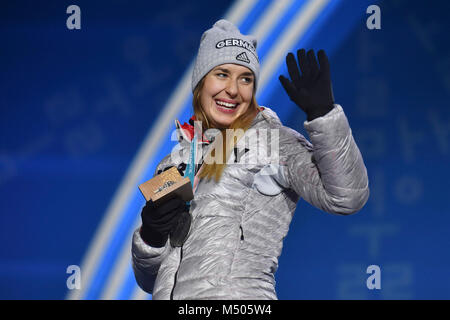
{"x":221,"y":106}
{"x":229,"y":104}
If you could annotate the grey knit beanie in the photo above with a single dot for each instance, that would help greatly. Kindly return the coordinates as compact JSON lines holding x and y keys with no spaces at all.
{"x":221,"y":44}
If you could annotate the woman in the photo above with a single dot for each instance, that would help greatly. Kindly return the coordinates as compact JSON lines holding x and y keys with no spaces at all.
{"x":226,"y":243}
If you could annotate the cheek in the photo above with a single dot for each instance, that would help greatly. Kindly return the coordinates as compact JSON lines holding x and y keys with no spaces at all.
{"x":207,"y":99}
{"x":212,"y":88}
{"x":247,"y":94}
{"x":217,"y":89}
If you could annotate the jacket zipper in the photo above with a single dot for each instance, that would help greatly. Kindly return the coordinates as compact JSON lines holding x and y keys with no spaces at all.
{"x":181,"y":258}
{"x":242,"y":233}
{"x":176,"y":274}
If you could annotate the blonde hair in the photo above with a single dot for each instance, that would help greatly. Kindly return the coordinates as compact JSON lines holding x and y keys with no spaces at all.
{"x":215,"y":169}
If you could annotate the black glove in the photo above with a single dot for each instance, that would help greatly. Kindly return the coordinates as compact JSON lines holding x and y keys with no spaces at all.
{"x":180,"y":230}
{"x":311,"y":90}
{"x":158,"y":221}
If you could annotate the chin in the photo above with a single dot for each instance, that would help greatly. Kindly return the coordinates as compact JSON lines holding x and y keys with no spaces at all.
{"x":223,"y":123}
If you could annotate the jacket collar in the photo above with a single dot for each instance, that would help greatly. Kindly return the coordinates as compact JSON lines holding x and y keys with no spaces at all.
{"x":185,"y":131}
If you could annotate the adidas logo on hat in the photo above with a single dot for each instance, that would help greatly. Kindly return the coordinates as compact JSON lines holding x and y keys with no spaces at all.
{"x":242,"y":57}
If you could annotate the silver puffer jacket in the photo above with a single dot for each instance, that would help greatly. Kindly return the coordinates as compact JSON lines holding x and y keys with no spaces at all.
{"x":238,"y":224}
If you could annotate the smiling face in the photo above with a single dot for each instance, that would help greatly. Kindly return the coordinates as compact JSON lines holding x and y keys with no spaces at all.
{"x":227,"y":93}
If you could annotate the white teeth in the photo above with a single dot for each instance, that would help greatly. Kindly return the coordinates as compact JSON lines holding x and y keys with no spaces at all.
{"x":226,"y":104}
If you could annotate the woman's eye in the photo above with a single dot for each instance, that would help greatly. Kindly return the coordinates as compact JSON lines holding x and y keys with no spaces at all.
{"x":247,"y":80}
{"x":221,"y":75}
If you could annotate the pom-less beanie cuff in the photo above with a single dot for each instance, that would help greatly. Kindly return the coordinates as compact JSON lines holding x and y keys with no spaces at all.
{"x":221,"y":44}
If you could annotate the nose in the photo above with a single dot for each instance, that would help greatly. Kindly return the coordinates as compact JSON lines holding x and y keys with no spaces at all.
{"x":232,"y":88}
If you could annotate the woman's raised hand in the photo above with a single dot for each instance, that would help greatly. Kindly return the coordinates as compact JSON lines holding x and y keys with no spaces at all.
{"x":311,"y":89}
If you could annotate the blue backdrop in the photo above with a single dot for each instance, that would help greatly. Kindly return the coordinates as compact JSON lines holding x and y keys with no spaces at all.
{"x":77,"y":105}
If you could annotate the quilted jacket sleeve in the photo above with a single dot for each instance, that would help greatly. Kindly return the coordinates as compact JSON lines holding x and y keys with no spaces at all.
{"x":329,"y":173}
{"x":146,"y":260}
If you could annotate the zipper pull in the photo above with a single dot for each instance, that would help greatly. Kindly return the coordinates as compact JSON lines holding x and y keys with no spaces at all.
{"x":242,"y":233}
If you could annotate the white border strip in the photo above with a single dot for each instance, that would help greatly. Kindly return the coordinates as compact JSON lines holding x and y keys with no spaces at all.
{"x":119,"y":273}
{"x":268,"y":20}
{"x":239,"y":10}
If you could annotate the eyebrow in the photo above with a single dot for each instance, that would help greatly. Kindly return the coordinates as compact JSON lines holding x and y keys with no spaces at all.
{"x":228,"y":71}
